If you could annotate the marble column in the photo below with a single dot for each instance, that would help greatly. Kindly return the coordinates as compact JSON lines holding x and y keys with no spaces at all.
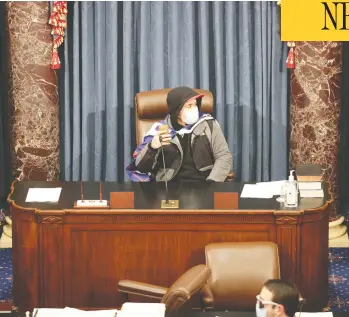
{"x":33,"y":92}
{"x":315,"y":109}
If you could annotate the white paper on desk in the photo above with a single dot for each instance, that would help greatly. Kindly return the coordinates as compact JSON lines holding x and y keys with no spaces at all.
{"x":256,"y":191}
{"x":320,"y":314}
{"x":67,"y":311}
{"x":275,"y":186}
{"x":142,"y":309}
{"x":48,"y":312}
{"x":73,"y":312}
{"x":43,"y":195}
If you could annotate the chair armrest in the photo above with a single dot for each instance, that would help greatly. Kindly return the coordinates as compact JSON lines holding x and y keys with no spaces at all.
{"x":207,"y":297}
{"x":142,"y":289}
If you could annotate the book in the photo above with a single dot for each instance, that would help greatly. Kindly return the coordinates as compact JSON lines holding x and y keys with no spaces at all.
{"x":319,"y":193}
{"x":309,"y":172}
{"x":309,"y":185}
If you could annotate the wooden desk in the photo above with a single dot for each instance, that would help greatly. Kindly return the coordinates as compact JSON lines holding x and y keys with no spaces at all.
{"x":66,"y":257}
{"x":196,"y":314}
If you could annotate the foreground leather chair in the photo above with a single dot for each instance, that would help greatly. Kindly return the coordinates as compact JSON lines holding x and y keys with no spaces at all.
{"x":239,"y":270}
{"x":175,"y":296}
{"x":151,"y":107}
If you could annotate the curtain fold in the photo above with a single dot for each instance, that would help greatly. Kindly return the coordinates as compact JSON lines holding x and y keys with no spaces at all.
{"x":5,"y":154}
{"x":113,"y":50}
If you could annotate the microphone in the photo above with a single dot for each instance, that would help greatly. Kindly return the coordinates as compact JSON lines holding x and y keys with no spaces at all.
{"x":166,"y":204}
{"x":100,"y":191}
{"x":82,"y":190}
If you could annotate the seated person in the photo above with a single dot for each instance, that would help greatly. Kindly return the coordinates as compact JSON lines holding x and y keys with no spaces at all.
{"x":278,"y":298}
{"x":194,"y":146}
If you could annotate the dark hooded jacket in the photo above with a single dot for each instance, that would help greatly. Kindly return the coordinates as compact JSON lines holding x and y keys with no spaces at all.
{"x":201,"y":155}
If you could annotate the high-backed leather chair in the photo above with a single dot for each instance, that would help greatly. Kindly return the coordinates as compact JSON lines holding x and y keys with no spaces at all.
{"x":175,"y":296}
{"x":239,"y":270}
{"x":151,"y":107}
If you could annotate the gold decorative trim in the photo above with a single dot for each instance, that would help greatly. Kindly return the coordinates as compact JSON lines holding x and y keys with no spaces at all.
{"x":51,"y":219}
{"x":287,"y":220}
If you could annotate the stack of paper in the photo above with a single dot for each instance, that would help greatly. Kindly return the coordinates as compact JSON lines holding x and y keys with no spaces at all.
{"x":275,"y":187}
{"x":321,"y":314}
{"x":255,"y":191}
{"x":127,"y":310}
{"x":262,"y":190}
{"x":43,"y":195}
{"x":67,"y":311}
{"x":142,"y":309}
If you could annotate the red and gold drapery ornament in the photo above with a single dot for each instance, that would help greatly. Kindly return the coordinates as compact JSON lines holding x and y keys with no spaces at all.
{"x":290,"y":60}
{"x":58,"y":20}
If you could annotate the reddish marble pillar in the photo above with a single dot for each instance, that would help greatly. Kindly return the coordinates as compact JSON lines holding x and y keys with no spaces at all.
{"x":315,"y":108}
{"x":33,"y":92}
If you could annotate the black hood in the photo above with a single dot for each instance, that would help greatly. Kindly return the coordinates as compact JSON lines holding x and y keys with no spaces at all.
{"x":177,"y":97}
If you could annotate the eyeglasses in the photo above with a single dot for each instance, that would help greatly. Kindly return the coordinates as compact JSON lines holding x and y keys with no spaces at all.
{"x":261,"y":302}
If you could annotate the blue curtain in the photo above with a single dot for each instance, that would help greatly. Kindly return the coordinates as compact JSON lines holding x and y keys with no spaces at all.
{"x":113,"y":50}
{"x":5,"y":166}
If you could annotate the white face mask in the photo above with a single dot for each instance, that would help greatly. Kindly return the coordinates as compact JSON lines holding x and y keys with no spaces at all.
{"x":261,"y":312}
{"x":190,"y":116}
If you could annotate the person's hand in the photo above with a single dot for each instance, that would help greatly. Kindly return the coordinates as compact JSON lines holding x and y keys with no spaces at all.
{"x":165,"y":139}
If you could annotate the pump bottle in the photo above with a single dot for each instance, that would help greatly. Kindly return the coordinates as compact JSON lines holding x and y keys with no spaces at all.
{"x":291,"y":191}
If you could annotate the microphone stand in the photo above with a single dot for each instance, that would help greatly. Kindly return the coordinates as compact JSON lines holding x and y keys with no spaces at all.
{"x":100,"y":191}
{"x":167,"y":204}
{"x":91,"y":203}
{"x":163,"y":161}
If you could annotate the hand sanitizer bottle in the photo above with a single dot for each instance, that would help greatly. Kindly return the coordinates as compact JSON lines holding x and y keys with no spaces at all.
{"x":291,"y":191}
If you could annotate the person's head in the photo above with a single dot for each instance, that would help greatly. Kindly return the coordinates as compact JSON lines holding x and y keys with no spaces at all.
{"x":184,"y":105}
{"x":278,"y":298}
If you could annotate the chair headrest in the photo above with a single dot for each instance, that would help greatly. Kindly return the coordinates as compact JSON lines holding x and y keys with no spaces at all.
{"x":152,"y":104}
